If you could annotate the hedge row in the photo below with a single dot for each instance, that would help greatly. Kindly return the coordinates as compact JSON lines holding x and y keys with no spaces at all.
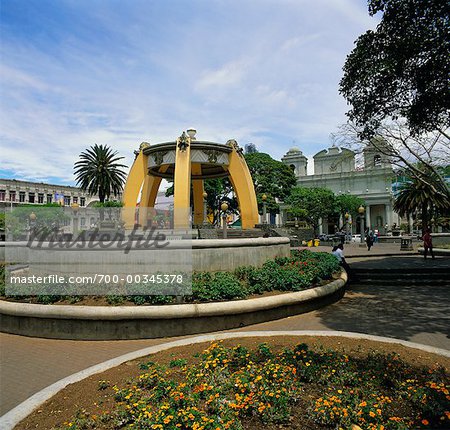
{"x":298,"y":272}
{"x":302,"y":270}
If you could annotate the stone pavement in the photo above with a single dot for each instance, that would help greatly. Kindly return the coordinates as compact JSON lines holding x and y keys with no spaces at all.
{"x":416,"y":313}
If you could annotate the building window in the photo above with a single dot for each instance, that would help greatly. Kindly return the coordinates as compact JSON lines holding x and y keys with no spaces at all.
{"x":82,"y":221}
{"x":49,"y":198}
{"x":12,"y":196}
{"x":75,"y":199}
{"x":66,"y":200}
{"x":40,"y":198}
{"x":377,"y":161}
{"x":31,"y":197}
{"x":2,"y":195}
{"x":21,"y":196}
{"x":82,"y":201}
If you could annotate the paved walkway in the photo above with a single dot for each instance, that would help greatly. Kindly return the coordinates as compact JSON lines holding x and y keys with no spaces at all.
{"x":413,"y":313}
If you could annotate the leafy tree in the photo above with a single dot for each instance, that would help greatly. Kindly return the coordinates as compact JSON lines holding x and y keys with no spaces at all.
{"x":98,"y":172}
{"x":401,"y":69}
{"x":311,"y":204}
{"x":219,"y":190}
{"x":403,"y":149}
{"x":270,"y":177}
{"x":348,"y":203}
{"x":108,"y":204}
{"x":250,"y":148}
{"x":416,"y":196}
{"x":48,"y":217}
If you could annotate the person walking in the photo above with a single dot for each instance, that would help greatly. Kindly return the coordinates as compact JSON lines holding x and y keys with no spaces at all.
{"x":427,"y":244}
{"x":369,"y":239}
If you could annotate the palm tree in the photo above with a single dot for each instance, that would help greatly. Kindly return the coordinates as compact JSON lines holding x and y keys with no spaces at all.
{"x":425,"y":197}
{"x":98,"y":172}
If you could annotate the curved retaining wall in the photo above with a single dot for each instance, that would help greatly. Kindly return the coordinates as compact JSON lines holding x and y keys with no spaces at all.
{"x":209,"y":255}
{"x":141,"y":322}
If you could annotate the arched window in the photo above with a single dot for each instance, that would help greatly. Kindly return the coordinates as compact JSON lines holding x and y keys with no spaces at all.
{"x":292,"y":167}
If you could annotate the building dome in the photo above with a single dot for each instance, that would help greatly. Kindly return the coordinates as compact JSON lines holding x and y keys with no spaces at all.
{"x":294,"y":149}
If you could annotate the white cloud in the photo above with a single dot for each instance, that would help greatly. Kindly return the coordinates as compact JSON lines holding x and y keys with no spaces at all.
{"x":229,"y":74}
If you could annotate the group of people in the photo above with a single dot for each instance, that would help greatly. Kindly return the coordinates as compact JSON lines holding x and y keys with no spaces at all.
{"x":338,"y":250}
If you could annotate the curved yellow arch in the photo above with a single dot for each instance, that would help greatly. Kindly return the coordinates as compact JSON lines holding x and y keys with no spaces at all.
{"x":243,"y":187}
{"x":138,"y":173}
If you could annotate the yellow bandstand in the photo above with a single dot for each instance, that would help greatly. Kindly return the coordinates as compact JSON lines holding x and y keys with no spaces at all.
{"x":188,"y":162}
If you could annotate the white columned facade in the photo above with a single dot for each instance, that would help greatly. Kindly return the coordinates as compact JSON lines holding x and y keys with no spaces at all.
{"x":388,"y":208}
{"x":320,"y":226}
{"x":278,"y":220}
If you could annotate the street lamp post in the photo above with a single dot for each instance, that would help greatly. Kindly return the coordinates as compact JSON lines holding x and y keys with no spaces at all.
{"x":32,"y":224}
{"x":264,"y":198}
{"x":347,"y":216}
{"x":361,"y":213}
{"x":75,"y":208}
{"x":224,"y":207}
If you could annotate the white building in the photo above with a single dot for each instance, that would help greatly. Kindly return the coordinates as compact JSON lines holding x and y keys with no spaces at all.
{"x":335,"y":169}
{"x":13,"y":192}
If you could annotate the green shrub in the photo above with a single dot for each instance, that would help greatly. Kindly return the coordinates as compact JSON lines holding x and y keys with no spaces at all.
{"x":300,"y":271}
{"x":218,"y":286}
{"x":115,"y":300}
{"x":48,"y":299}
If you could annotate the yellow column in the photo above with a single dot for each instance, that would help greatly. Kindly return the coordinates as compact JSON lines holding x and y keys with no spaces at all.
{"x":148,"y":197}
{"x":243,"y":187}
{"x":182,"y":185}
{"x":149,"y":194}
{"x":132,"y":188}
{"x":197,"y":187}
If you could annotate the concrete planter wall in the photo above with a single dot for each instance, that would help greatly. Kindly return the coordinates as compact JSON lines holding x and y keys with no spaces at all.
{"x":213,"y":255}
{"x":202,"y":255}
{"x":139,"y":322}
{"x":436,"y":251}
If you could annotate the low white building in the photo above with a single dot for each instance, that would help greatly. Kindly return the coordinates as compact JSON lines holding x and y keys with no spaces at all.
{"x":335,"y":169}
{"x":13,"y":192}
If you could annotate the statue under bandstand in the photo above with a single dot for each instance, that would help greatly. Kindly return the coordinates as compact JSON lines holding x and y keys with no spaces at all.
{"x":187,"y":161}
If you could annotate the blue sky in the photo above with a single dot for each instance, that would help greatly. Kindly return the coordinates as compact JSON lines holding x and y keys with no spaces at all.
{"x":78,"y":72}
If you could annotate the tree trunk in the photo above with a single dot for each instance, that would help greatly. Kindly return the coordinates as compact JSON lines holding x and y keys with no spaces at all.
{"x":424,"y":218}
{"x":101,"y":197}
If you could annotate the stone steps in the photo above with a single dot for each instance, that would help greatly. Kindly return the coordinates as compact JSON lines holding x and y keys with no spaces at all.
{"x":414,"y":276}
